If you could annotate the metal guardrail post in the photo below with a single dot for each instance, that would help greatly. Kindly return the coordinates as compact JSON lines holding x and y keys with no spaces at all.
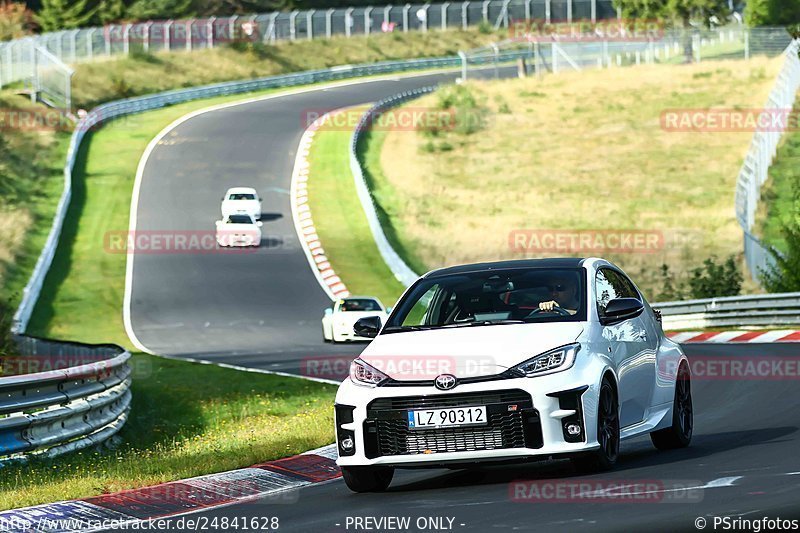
{"x":463,"y":58}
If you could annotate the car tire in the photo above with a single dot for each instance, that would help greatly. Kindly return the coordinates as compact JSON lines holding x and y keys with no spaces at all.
{"x":607,"y":433}
{"x":367,"y":478}
{"x":679,"y":434}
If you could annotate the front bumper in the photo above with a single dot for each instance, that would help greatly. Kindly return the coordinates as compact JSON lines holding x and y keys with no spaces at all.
{"x":533,"y":429}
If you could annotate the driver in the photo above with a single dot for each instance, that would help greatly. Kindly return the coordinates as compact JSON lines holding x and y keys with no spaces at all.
{"x":564,"y":294}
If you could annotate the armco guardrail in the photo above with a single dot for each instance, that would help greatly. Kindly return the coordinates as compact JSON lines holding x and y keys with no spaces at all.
{"x":58,"y":397}
{"x":752,"y":310}
{"x":129,"y":106}
{"x":399,"y":268}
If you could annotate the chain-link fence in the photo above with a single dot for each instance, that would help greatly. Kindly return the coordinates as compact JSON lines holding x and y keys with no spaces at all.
{"x":74,"y":46}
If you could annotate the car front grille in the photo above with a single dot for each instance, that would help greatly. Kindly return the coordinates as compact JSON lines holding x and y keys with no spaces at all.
{"x":512,"y":423}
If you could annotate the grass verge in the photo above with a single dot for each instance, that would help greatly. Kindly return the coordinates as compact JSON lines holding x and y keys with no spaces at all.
{"x":340,"y":220}
{"x":577,"y":151}
{"x":186,"y":419}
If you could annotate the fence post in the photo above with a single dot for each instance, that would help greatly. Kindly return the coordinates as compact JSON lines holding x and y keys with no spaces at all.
{"x":406,"y":9}
{"x":232,"y":27}
{"x":73,"y":45}
{"x":188,"y":43}
{"x":594,"y":10}
{"x":569,"y":10}
{"x":68,"y":92}
{"x":34,"y":73}
{"x":528,"y":9}
{"x":310,"y":23}
{"x":386,"y":12}
{"x":747,"y":44}
{"x":328,"y":16}
{"x":107,"y":39}
{"x":146,"y":36}
{"x":496,"y":50}
{"x":126,"y":39}
{"x":293,"y":25}
{"x":485,"y":10}
{"x":167,"y":27}
{"x":464,"y":15}
{"x":348,"y":21}
{"x":272,"y":34}
{"x":443,"y":15}
{"x":210,"y":30}
{"x":547,"y":11}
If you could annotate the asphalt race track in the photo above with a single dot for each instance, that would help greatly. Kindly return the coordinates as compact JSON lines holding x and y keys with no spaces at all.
{"x":743,"y":462}
{"x":263,"y":309}
{"x":258,"y":309}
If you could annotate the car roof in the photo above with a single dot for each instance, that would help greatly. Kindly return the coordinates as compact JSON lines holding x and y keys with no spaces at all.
{"x":239,"y":190}
{"x":554,"y":262}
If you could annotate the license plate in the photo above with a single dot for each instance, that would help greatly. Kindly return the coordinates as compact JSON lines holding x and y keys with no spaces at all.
{"x":444,"y":418}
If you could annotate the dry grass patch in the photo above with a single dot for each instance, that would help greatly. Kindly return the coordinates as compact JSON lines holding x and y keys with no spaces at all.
{"x":577,"y":151}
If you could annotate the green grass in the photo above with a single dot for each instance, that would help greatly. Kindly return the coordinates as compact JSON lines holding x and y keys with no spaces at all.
{"x":340,"y":220}
{"x":778,"y":206}
{"x":143,"y":73}
{"x":186,"y":420}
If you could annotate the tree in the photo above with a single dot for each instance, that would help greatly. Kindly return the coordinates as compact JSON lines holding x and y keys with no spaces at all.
{"x":64,"y":14}
{"x":160,"y":9}
{"x":712,"y":280}
{"x":683,"y":13}
{"x":111,"y":11}
{"x":772,"y":12}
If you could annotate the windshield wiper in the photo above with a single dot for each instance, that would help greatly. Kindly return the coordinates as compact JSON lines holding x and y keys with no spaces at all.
{"x":392,"y":329}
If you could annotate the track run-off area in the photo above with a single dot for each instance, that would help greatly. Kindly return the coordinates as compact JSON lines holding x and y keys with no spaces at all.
{"x":262,"y":310}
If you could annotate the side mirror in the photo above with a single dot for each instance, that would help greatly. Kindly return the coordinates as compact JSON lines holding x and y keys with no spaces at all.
{"x":620,"y":309}
{"x":259,"y":223}
{"x":389,"y":310}
{"x":369,"y":326}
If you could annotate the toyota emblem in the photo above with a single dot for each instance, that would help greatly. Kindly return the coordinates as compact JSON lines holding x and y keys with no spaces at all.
{"x":445,"y":382}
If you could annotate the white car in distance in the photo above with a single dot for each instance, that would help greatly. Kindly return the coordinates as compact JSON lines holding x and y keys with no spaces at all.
{"x":236,"y":231}
{"x":241,"y":201}
{"x":339,"y":318}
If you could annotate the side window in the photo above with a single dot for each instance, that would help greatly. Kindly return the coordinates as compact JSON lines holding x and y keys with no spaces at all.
{"x":604,"y":289}
{"x":609,"y":285}
{"x":418,"y":315}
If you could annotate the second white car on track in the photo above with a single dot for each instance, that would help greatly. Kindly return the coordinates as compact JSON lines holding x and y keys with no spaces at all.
{"x":341,"y":316}
{"x":238,"y":231}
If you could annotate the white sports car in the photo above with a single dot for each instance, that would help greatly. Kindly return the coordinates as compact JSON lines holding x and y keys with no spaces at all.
{"x":339,"y":318}
{"x":510,"y":361}
{"x":241,"y":201}
{"x":238,"y":231}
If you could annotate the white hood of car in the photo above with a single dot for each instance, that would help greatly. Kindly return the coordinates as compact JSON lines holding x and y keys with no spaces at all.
{"x":468,"y":351}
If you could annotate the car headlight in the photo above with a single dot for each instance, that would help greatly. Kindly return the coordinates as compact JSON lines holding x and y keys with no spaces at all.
{"x":363,"y":374}
{"x":550,"y":362}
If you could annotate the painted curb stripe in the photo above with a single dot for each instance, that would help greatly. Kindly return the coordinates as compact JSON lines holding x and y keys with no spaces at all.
{"x":734,"y":336}
{"x":179,"y":497}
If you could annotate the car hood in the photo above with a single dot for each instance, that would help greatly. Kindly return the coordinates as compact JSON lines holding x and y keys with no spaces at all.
{"x":470,"y":351}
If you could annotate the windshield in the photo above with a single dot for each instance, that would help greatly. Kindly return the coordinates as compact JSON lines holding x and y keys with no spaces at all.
{"x":360,"y":304}
{"x":239,"y":219}
{"x":493,"y":297}
{"x":242,"y":196}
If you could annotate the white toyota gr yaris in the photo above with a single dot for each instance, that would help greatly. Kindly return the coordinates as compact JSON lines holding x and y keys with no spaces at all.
{"x":510,"y":361}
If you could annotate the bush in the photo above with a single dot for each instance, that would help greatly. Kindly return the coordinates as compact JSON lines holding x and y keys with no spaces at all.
{"x":6,"y":314}
{"x":772,"y":12}
{"x":713,"y":280}
{"x":467,"y":106}
{"x":671,"y":289}
{"x":784,"y":276}
{"x":15,"y":21}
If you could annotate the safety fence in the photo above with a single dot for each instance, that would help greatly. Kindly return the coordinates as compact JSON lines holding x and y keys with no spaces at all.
{"x":91,"y":44}
{"x":737,"y":311}
{"x":58,"y":397}
{"x":763,"y":148}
